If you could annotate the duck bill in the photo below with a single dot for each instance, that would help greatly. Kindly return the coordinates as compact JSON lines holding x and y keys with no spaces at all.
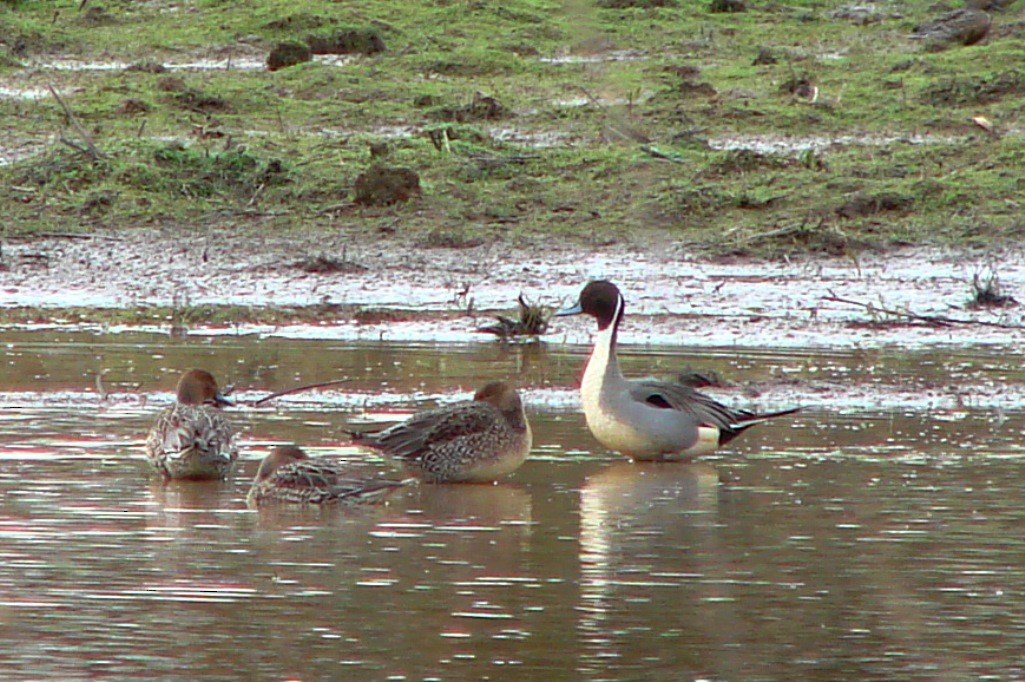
{"x":221,"y":400}
{"x":575,"y":309}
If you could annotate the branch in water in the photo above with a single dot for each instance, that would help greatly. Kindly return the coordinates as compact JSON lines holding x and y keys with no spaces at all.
{"x":297,"y":389}
{"x":934,"y":320}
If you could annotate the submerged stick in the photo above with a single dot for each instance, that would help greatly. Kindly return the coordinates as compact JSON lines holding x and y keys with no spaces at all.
{"x":297,"y":389}
{"x":934,"y":320}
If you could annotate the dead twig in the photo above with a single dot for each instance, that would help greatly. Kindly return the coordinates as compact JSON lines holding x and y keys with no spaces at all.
{"x":297,"y":389}
{"x":73,"y":120}
{"x":932,"y":320}
{"x":659,"y":154}
{"x":626,"y":133}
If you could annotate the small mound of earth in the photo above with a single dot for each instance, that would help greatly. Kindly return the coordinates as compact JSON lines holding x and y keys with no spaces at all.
{"x":727,"y":6}
{"x":382,"y":185}
{"x":132,"y":107}
{"x":288,"y":53}
{"x":960,"y":27}
{"x":482,"y":108}
{"x":350,"y":41}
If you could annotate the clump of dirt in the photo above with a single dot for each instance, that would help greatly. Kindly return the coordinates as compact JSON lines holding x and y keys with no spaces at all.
{"x":191,"y":99}
{"x":861,"y":204}
{"x":382,"y":185}
{"x":481,"y":108}
{"x":798,"y":86}
{"x":288,"y":53}
{"x":964,"y":26}
{"x":326,"y":265}
{"x":689,"y":84}
{"x":132,"y":107}
{"x":727,"y":6}
{"x":347,"y":41}
{"x":97,"y":203}
{"x":766,"y":57}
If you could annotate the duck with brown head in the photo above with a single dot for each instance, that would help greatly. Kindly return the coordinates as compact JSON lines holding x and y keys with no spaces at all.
{"x":472,"y":442}
{"x":647,"y":419}
{"x":289,"y":475}
{"x":192,"y":440}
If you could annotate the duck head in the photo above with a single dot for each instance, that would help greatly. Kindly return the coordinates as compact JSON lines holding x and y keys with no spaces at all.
{"x":505,"y":398}
{"x":279,"y":456}
{"x":198,"y":387}
{"x":601,"y":299}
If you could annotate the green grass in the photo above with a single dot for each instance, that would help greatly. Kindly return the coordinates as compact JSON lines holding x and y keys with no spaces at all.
{"x":632,"y":159}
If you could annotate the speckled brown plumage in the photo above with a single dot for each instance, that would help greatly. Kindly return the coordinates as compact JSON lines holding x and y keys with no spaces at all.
{"x":192,"y":439}
{"x":289,"y":475}
{"x":472,"y":442}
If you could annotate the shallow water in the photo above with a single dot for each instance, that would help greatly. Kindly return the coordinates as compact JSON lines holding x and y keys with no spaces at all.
{"x":867,"y":539}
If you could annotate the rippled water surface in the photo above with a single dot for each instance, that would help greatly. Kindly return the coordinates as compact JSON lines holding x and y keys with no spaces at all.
{"x":864,"y":539}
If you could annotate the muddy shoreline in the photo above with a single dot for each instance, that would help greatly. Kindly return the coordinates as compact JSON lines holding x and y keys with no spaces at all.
{"x":446,"y":294}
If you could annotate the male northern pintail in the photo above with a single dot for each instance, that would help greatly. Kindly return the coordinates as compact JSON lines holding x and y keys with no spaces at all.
{"x":647,"y":419}
{"x":472,"y":442}
{"x":192,"y":439}
{"x":288,"y":474}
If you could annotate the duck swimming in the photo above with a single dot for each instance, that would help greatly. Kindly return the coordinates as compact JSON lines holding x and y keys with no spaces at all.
{"x":288,"y":474}
{"x":472,"y":442}
{"x":647,"y":419}
{"x":192,"y":440}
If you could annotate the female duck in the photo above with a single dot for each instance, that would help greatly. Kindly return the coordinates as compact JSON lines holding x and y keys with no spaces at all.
{"x":473,"y":442}
{"x":288,"y":474}
{"x":192,"y":439}
{"x":647,"y":419}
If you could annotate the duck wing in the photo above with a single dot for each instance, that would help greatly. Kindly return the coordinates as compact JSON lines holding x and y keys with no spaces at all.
{"x":672,"y":396}
{"x":423,"y":431}
{"x":704,"y":409}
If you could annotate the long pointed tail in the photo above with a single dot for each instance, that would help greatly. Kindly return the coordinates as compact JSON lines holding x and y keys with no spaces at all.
{"x":746,"y":420}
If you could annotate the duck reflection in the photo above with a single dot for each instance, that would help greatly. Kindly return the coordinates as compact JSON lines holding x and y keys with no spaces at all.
{"x":647,"y":542}
{"x":186,"y":504}
{"x":495,"y":517}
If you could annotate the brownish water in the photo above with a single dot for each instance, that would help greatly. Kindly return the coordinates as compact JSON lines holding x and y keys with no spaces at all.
{"x":874,"y":536}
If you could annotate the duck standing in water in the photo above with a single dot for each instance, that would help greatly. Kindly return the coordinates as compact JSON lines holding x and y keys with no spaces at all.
{"x":191,"y":439}
{"x":472,"y":442}
{"x":647,"y":419}
{"x":288,"y":474}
